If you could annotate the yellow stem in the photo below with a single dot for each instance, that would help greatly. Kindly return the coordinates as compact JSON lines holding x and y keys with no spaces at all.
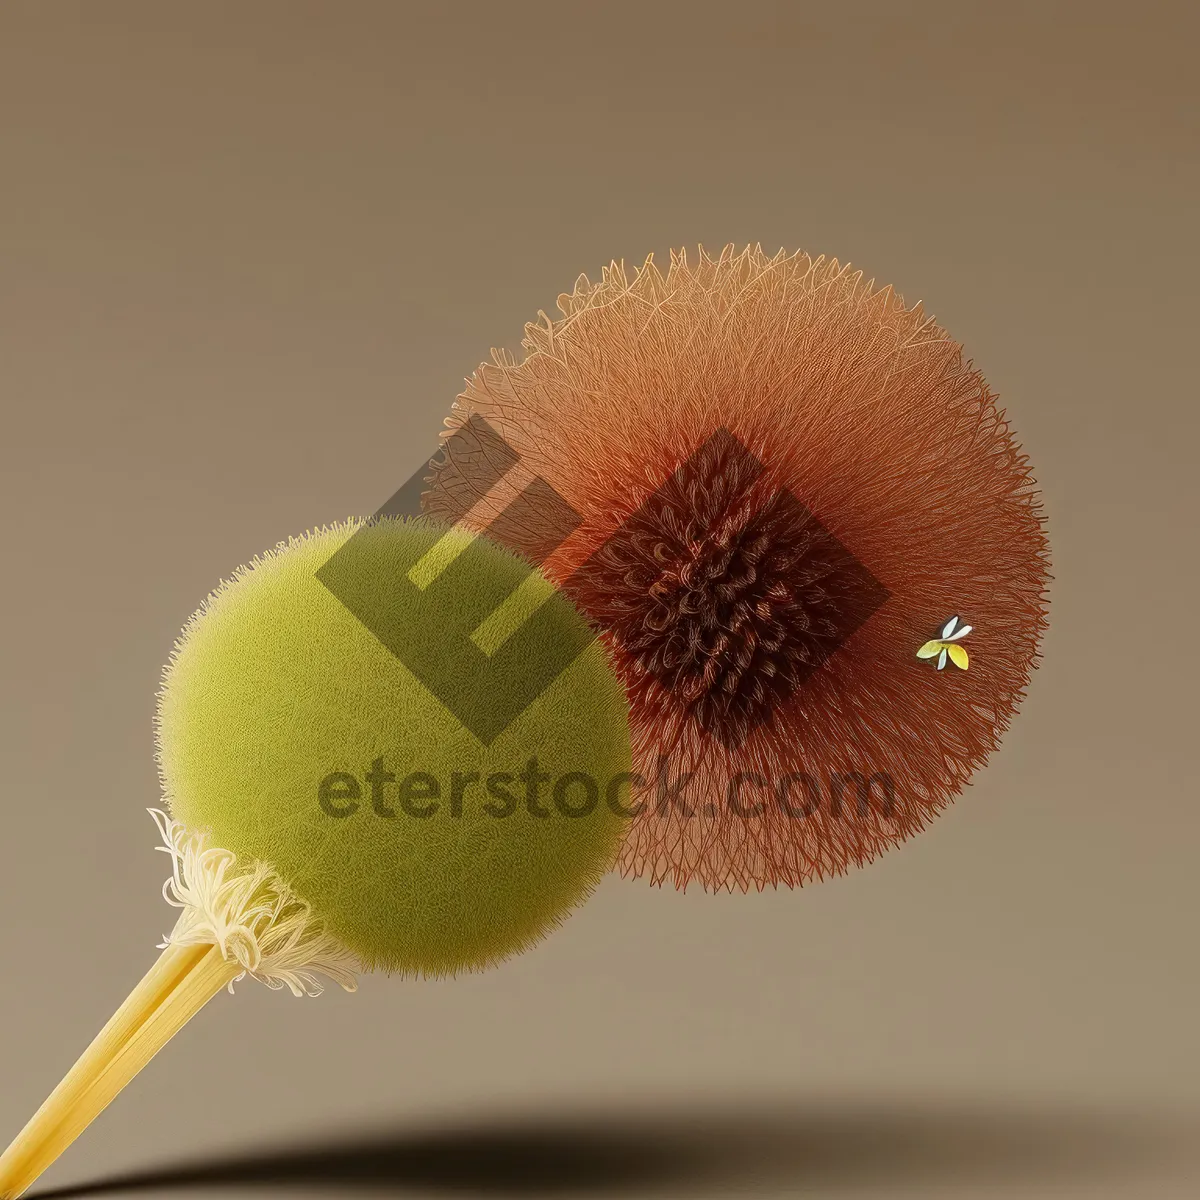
{"x":177,"y":987}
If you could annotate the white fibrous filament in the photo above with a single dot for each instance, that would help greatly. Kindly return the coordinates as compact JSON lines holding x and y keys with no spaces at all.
{"x":250,"y":914}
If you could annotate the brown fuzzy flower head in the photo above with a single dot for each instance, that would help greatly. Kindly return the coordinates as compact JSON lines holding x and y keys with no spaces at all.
{"x":779,"y":484}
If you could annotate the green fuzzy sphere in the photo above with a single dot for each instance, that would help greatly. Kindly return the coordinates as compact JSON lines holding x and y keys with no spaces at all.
{"x":278,"y":704}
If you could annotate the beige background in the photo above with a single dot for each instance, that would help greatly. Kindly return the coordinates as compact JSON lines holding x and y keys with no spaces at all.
{"x":249,"y":251}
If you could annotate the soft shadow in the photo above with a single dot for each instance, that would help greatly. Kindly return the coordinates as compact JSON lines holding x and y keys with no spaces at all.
{"x":661,"y":1151}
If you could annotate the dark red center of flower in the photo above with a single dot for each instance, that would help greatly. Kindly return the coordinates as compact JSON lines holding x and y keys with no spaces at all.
{"x":726,"y":594}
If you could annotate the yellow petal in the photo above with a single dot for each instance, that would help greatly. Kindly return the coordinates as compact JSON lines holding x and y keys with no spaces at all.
{"x":930,"y":650}
{"x":958,"y":655}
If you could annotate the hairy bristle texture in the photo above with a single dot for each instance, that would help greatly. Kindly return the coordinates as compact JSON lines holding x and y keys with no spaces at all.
{"x":768,"y":483}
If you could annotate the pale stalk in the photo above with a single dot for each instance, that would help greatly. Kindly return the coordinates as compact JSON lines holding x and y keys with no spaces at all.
{"x":238,"y":919}
{"x":183,"y":980}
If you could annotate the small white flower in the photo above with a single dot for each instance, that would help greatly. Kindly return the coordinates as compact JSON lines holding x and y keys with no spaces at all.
{"x":945,"y":645}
